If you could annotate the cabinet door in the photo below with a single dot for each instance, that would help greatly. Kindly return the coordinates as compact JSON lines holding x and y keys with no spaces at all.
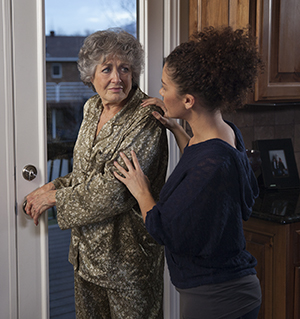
{"x":297,"y":293}
{"x":205,"y":13}
{"x":276,"y":25}
{"x":260,"y":245}
{"x":278,"y":32}
{"x":296,"y":264}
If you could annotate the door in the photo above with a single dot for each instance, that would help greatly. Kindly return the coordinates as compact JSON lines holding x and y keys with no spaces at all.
{"x":8,"y":282}
{"x":24,"y":291}
{"x":24,"y":256}
{"x":30,"y":148}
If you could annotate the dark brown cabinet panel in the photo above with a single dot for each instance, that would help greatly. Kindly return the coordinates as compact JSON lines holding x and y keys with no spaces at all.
{"x":276,"y":25}
{"x":276,"y":248}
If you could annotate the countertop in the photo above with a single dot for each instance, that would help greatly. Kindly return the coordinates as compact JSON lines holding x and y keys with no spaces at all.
{"x":280,"y":206}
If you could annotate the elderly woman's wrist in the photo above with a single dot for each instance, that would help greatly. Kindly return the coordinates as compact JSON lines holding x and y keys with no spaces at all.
{"x":53,"y":197}
{"x":50,"y":186}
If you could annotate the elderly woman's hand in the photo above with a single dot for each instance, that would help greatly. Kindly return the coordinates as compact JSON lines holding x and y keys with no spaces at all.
{"x":39,"y":201}
{"x":168,"y":122}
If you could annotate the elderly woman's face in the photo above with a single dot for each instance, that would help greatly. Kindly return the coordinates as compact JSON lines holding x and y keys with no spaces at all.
{"x":113,"y":81}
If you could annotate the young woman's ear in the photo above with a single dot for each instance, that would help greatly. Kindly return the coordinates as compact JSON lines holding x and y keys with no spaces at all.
{"x":189,"y":101}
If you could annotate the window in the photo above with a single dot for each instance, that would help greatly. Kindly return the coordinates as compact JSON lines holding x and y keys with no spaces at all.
{"x":56,"y":71}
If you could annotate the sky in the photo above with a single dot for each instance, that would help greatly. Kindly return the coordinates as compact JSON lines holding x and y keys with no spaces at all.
{"x":82,"y":17}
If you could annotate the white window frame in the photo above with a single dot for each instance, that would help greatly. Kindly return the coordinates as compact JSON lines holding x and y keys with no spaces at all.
{"x":56,"y":76}
{"x":160,"y":31}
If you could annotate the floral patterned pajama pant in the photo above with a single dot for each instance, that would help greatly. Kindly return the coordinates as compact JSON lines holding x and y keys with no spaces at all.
{"x":96,"y":302}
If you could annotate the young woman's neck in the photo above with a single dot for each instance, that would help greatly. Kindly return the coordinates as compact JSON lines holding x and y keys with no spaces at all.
{"x":209,"y":125}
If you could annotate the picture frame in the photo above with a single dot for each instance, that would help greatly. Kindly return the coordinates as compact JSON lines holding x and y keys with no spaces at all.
{"x":278,"y":164}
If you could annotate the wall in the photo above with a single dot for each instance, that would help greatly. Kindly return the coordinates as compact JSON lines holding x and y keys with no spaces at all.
{"x":269,"y":122}
{"x":70,"y":72}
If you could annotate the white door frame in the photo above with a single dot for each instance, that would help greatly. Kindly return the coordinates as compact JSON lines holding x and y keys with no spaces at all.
{"x":159,"y":33}
{"x":24,"y":247}
{"x":8,"y":273}
{"x":159,"y":28}
{"x":28,"y":43}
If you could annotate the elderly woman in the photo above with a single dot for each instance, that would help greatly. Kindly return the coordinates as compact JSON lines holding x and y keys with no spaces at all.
{"x":118,"y":267}
{"x":211,"y":191}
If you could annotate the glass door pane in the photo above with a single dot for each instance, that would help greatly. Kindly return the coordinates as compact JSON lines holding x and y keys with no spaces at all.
{"x":67,"y":23}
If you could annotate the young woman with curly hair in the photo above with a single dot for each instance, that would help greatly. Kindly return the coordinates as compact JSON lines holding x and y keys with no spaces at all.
{"x":198,"y":217}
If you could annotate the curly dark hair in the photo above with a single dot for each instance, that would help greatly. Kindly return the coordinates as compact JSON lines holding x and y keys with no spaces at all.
{"x":218,"y":66}
{"x":113,"y":42}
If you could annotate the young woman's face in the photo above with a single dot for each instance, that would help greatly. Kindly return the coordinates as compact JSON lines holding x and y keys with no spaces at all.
{"x":113,"y":81}
{"x":173,"y":102}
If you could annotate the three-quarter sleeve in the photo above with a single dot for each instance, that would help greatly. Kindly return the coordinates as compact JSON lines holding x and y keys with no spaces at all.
{"x":99,"y":195}
{"x":63,"y":181}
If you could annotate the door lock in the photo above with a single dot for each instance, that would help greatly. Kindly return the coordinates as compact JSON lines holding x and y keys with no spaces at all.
{"x":29,"y":172}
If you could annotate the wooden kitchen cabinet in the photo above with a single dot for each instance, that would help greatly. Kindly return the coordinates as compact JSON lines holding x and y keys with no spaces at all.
{"x":276,"y":25}
{"x":277,"y":250}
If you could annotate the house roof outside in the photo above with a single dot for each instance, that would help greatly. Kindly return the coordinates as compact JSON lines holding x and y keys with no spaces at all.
{"x":60,"y":48}
{"x":63,"y":48}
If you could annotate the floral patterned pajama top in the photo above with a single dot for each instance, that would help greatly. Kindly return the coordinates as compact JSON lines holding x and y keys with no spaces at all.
{"x":109,"y":243}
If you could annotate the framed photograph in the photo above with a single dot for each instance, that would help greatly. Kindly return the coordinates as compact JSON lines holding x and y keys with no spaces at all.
{"x":278,"y":165}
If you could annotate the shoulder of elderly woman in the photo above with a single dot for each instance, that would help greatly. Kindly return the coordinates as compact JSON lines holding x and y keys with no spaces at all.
{"x":95,"y":99}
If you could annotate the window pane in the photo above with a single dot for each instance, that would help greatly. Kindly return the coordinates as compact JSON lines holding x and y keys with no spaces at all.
{"x":83,"y":17}
{"x":67,"y":23}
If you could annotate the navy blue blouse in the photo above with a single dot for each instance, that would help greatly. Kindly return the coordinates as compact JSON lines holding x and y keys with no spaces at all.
{"x":199,"y":215}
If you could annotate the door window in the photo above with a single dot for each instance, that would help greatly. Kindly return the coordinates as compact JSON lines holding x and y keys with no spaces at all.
{"x":67,"y":24}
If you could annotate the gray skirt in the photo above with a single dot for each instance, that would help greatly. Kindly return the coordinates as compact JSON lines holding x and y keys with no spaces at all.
{"x":228,"y":300}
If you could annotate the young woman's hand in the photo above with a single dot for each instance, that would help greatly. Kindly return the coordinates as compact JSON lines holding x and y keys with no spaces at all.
{"x":134,"y":178}
{"x":182,"y":138}
{"x":168,"y":122}
{"x":136,"y":181}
